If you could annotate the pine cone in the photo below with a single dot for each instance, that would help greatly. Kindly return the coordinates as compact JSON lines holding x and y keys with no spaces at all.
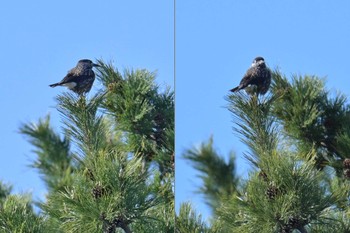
{"x":98,"y":191}
{"x":346,"y":163}
{"x":272,"y":192}
{"x":346,"y":173}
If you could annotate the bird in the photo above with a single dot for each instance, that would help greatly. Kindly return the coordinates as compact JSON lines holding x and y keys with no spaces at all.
{"x":258,"y":74}
{"x":80,"y":78}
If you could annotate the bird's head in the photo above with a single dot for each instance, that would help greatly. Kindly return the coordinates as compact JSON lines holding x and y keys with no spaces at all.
{"x":87,"y":63}
{"x":258,"y":61}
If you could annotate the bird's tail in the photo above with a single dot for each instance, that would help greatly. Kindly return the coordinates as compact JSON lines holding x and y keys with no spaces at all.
{"x":235,"y":89}
{"x":54,"y":85}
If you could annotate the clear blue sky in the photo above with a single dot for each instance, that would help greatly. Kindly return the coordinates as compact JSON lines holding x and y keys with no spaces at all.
{"x":216,"y":42}
{"x":41,"y":40}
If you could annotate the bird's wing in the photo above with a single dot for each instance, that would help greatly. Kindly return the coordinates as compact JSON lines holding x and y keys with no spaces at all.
{"x":69,"y":77}
{"x":247,"y":78}
{"x":87,"y":74}
{"x":74,"y":76}
{"x":266,"y":81}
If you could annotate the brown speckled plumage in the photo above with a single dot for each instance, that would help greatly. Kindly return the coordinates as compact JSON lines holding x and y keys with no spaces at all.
{"x":80,"y":78}
{"x":258,"y":74}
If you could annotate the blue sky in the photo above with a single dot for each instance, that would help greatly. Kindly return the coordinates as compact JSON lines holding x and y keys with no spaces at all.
{"x":41,"y":40}
{"x":216,"y":42}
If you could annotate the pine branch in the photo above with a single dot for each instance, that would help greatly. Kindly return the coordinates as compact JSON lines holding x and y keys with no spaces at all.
{"x":82,"y":121}
{"x":217,"y":175}
{"x":109,"y":75}
{"x":142,"y":112}
{"x":290,"y":195}
{"x":189,"y":221}
{"x":54,"y":159}
{"x":313,"y":118}
{"x":17,"y":215}
{"x":254,"y":123}
{"x":115,"y":195}
{"x":5,"y":190}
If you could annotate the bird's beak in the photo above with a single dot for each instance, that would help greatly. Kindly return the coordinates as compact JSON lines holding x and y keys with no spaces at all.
{"x":95,"y":65}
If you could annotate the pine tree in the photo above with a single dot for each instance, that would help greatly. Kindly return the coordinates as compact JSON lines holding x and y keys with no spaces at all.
{"x":111,"y":169}
{"x":298,"y":145}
